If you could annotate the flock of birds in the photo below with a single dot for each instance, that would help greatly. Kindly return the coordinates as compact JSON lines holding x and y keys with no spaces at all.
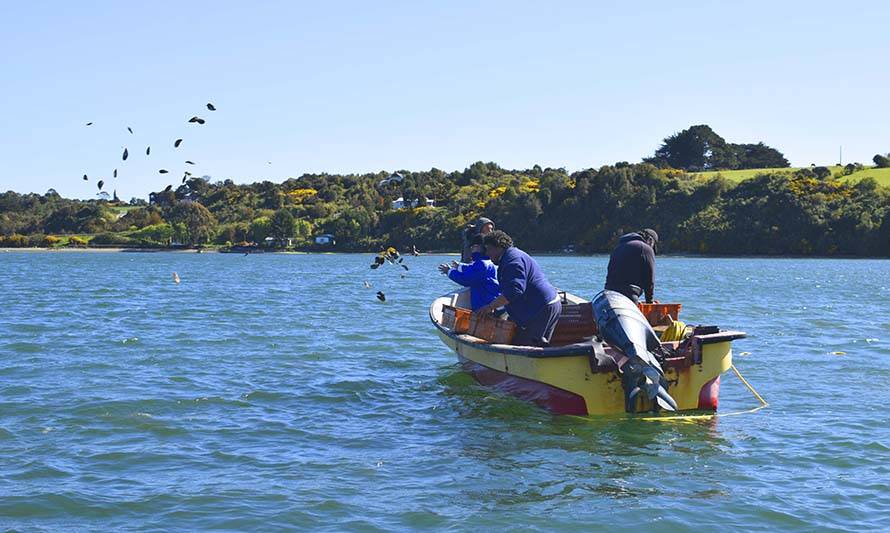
{"x":393,"y":257}
{"x":176,"y":144}
{"x":390,"y":255}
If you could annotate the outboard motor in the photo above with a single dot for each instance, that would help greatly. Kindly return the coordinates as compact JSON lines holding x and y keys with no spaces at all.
{"x":621,"y":324}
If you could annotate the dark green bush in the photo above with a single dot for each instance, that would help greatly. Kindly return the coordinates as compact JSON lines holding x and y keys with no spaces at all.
{"x":110,"y":239}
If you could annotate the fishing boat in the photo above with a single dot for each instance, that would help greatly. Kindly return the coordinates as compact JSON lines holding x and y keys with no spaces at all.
{"x":578,"y":374}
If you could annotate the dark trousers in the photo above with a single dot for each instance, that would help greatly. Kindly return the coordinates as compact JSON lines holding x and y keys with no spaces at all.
{"x":540,"y":328}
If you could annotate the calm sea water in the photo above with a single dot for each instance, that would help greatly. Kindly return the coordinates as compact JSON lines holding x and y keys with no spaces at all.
{"x":273,"y":392}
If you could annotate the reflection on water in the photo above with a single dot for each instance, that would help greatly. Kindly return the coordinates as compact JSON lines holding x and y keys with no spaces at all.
{"x":615,"y":457}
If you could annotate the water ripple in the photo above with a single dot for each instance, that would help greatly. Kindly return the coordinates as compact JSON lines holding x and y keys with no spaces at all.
{"x":276,"y":392}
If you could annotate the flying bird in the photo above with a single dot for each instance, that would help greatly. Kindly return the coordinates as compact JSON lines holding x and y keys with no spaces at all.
{"x":183,"y":178}
{"x":404,"y":266}
{"x":115,"y":173}
{"x":126,"y":154}
{"x":130,"y":130}
{"x":148,"y":150}
{"x":89,"y":123}
{"x":381,"y":296}
{"x":210,"y":107}
{"x":169,"y":188}
{"x":100,"y":184}
{"x":367,"y":285}
{"x":177,"y":143}
{"x":176,"y":278}
{"x":190,"y":162}
{"x":199,"y":120}
{"x":162,"y":171}
{"x":85,"y":178}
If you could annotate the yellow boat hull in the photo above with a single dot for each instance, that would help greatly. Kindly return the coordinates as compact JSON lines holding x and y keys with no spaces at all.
{"x":568,"y":379}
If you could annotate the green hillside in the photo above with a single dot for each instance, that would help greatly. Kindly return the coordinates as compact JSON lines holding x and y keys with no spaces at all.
{"x":882,"y":175}
{"x":543,"y":209}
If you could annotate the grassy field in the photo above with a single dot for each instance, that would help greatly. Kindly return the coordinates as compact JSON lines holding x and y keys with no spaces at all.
{"x":121,"y":210}
{"x":882,"y":175}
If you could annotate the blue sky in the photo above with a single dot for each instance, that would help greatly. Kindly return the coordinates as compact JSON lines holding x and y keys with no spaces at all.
{"x":369,"y":86}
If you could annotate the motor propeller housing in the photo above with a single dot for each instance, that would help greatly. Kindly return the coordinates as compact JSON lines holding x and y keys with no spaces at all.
{"x":621,"y":325}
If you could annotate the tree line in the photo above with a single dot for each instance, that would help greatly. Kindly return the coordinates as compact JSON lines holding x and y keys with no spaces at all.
{"x":699,"y":148}
{"x":804,"y":212}
{"x":543,"y":209}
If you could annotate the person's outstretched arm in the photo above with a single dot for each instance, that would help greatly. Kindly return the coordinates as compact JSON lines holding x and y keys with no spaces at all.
{"x":469,"y":275}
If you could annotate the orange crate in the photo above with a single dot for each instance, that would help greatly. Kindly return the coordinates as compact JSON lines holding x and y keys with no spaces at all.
{"x":456,"y":318}
{"x":492,"y":329}
{"x":656,"y":313}
{"x":574,"y":325}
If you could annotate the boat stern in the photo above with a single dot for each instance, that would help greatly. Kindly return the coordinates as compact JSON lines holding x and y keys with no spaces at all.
{"x":696,"y":384}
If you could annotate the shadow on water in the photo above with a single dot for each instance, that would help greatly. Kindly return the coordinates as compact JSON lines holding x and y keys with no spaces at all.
{"x":626,"y":432}
{"x":570,"y":457}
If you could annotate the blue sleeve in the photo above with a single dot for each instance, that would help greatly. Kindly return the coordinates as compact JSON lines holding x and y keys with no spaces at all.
{"x":469,"y":275}
{"x":512,"y":277}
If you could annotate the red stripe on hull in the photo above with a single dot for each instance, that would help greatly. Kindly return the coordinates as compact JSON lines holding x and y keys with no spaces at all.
{"x":554,"y":399}
{"x":709,"y":395}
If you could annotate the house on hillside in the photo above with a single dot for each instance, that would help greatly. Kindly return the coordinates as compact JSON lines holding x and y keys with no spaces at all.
{"x":393,"y":178}
{"x":400,"y":203}
{"x":325,"y":239}
{"x":272,"y":242}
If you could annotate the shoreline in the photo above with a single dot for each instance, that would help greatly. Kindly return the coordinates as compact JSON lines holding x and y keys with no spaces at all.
{"x":98,"y":250}
{"x":432,"y":253}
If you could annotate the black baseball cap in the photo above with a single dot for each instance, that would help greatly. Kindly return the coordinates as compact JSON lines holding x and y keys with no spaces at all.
{"x":649,"y":232}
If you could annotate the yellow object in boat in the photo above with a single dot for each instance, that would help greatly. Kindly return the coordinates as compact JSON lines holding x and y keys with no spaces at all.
{"x":675,"y":332}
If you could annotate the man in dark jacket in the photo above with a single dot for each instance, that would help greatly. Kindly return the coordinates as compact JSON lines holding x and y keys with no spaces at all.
{"x":531,"y":300}
{"x":632,"y":265}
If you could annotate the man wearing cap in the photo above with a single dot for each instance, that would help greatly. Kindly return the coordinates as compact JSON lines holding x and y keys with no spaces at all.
{"x":483,"y":226}
{"x":480,"y":276}
{"x":632,"y":265}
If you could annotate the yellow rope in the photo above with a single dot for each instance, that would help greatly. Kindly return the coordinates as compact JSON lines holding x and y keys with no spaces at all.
{"x":676,"y":331}
{"x":763,"y":403}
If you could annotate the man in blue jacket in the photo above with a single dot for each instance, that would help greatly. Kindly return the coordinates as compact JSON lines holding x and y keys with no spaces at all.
{"x":480,"y":275}
{"x":531,"y":300}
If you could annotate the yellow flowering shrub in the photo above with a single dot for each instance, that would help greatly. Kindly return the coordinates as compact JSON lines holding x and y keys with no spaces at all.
{"x":531,"y":186}
{"x":497,"y":191}
{"x":298,"y":195}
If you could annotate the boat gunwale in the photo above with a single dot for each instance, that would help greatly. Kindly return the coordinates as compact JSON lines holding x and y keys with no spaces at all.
{"x":568,"y":350}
